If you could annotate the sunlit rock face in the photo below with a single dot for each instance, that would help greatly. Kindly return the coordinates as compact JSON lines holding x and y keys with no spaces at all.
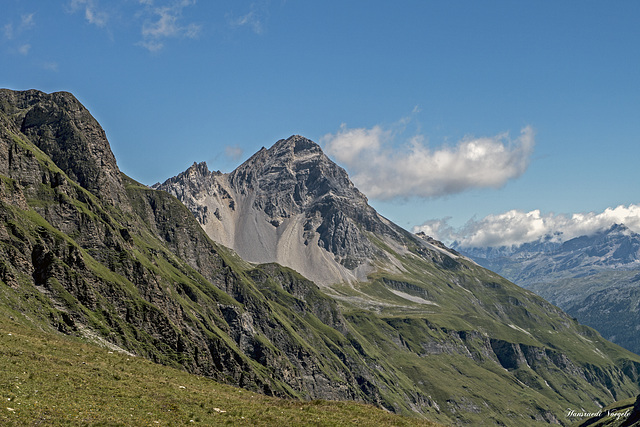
{"x":292,"y":205}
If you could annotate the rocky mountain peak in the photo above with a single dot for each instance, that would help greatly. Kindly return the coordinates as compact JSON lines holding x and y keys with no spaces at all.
{"x":293,"y":161}
{"x":65,"y":130}
{"x":617,"y":245}
{"x":198,"y":170}
{"x":290,"y":176}
{"x":620,"y":229}
{"x":298,"y":144}
{"x":290,"y":204}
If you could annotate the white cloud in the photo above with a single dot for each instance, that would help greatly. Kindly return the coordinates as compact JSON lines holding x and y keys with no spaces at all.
{"x":152,"y":45}
{"x":165,"y":23}
{"x":516,"y":227}
{"x":19,"y":33}
{"x":384,"y":172}
{"x":160,"y":20}
{"x":92,"y":11}
{"x":165,"y":26}
{"x":348,"y":145}
{"x":51,"y":66}
{"x":27,"y":21}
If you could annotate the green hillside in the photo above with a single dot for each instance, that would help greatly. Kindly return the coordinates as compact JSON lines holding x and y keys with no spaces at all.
{"x":47,"y":379}
{"x":87,"y":252}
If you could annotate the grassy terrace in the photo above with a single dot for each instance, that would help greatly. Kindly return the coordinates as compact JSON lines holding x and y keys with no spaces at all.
{"x":47,"y":379}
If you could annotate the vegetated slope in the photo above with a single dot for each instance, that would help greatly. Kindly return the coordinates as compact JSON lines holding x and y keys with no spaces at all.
{"x":624,"y":413}
{"x":593,"y":278}
{"x":90,"y":252}
{"x":467,"y":338}
{"x":131,"y":266}
{"x":47,"y":379}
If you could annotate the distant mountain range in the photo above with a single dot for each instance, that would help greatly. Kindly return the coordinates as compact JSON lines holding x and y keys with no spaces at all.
{"x":207,"y":281}
{"x":595,"y":278}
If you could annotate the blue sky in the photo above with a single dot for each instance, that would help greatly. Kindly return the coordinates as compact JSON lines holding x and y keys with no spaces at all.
{"x":496,"y":120}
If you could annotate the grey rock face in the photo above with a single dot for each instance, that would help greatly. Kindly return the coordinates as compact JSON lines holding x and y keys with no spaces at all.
{"x":64,"y":129}
{"x":292,"y":205}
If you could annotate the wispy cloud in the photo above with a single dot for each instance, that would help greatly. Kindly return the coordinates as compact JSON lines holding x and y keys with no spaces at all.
{"x":159,"y":20}
{"x":93,"y":13}
{"x":515,"y":227}
{"x":254,"y":19}
{"x":7,"y":29}
{"x":51,"y":66}
{"x":24,"y":49}
{"x":382,"y":170}
{"x":18,"y":34}
{"x":165,"y":22}
{"x":26,"y":21}
{"x":233,"y":152}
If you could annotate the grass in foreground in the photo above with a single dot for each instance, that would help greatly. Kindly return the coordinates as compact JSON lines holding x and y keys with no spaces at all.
{"x":52,"y":380}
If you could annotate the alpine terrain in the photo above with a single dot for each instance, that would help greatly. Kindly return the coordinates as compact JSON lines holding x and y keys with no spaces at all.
{"x":594,"y":278}
{"x":278,"y":278}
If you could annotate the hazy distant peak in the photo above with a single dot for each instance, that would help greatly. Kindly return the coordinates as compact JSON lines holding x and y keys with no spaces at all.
{"x":620,"y":229}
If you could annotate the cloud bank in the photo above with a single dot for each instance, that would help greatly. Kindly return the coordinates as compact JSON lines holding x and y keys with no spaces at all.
{"x":515,"y":227}
{"x":384,"y":172}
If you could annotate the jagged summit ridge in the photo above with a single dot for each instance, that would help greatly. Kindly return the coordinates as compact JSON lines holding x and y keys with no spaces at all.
{"x":296,"y":169}
{"x":289,"y":204}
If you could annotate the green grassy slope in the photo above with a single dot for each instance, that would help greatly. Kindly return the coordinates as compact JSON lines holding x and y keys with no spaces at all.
{"x":606,"y":301}
{"x":48,"y":379}
{"x":531,"y":360}
{"x":141,"y":275}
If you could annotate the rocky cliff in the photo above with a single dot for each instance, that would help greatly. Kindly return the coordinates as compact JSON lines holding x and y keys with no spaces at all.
{"x":411,"y":326}
{"x":292,"y":205}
